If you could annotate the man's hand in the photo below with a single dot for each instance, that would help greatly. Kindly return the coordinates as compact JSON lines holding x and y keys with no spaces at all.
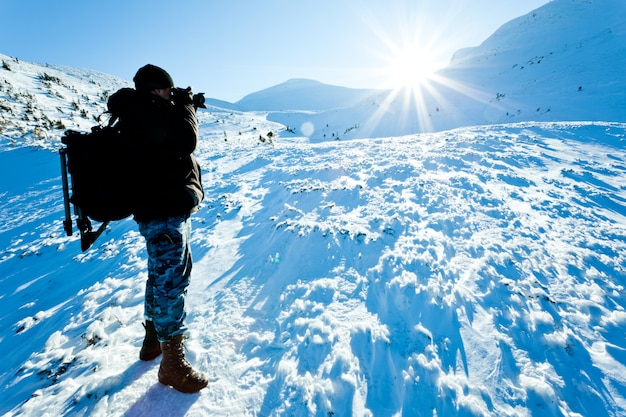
{"x":182,"y":95}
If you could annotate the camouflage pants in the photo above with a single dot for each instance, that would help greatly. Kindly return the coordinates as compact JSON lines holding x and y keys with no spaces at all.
{"x":169,"y":269}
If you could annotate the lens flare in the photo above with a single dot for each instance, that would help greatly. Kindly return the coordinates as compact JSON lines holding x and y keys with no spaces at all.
{"x":307,"y":129}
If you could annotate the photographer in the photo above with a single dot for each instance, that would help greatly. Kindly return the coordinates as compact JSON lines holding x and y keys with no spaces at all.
{"x":159,"y":121}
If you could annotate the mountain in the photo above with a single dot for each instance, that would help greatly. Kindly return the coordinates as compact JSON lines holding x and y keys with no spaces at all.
{"x":552,"y":64}
{"x":303,"y":94}
{"x":477,"y":271}
{"x":38,"y":102}
{"x":523,"y":72}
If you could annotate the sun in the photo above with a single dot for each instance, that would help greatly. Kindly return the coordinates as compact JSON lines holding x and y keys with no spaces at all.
{"x":410,"y":66}
{"x":410,"y":56}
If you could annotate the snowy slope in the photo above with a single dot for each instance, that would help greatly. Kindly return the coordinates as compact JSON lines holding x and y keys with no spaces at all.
{"x":480,"y":274}
{"x":38,"y":102}
{"x":528,"y":73}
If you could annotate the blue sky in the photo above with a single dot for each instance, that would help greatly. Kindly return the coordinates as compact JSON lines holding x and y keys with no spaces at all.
{"x":230,"y":49}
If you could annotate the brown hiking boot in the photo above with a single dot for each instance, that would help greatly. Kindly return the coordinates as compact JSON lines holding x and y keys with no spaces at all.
{"x":175,"y":371}
{"x":151,"y":347}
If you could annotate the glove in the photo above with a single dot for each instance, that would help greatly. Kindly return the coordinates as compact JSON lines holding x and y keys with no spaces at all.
{"x":182,"y":96}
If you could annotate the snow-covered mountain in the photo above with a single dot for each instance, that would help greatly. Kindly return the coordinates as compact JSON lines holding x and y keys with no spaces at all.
{"x":524,"y":71}
{"x":38,"y":102}
{"x":470,"y":272}
{"x":302,"y":94}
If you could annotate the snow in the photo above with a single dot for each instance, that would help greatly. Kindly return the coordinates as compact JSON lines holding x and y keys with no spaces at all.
{"x":474,"y":271}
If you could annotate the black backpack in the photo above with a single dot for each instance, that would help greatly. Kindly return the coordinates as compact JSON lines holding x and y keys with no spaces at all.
{"x":100,"y":164}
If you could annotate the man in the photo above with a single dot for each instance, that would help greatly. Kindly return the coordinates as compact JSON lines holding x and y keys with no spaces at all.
{"x":161,"y":126}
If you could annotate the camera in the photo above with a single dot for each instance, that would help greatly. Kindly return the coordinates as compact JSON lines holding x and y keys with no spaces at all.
{"x":198,"y":100}
{"x":186,"y":96}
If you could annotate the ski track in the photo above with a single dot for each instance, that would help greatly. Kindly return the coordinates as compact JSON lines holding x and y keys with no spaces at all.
{"x":472,"y":272}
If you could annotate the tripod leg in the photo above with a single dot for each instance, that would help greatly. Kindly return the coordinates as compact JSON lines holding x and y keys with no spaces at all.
{"x":67,"y":223}
{"x":88,"y":237}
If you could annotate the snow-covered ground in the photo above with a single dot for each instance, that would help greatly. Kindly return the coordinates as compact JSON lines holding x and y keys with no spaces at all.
{"x":478,"y":271}
{"x":472,"y":272}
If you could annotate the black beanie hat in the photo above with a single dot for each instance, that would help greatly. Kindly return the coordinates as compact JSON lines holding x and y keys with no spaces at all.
{"x":151,"y":77}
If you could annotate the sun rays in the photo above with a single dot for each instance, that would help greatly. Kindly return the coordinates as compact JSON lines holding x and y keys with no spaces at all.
{"x":411,"y":58}
{"x":409,"y":64}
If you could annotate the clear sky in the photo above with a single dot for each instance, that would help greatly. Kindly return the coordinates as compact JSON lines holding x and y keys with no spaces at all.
{"x":228,"y":49}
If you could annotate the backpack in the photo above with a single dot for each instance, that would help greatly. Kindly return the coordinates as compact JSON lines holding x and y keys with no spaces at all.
{"x":100,"y":165}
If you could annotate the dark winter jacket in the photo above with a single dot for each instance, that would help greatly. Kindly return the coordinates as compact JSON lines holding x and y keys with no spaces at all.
{"x":163,"y":137}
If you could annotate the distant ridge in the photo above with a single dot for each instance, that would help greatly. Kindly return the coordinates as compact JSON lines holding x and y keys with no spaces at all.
{"x":303,"y":94}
